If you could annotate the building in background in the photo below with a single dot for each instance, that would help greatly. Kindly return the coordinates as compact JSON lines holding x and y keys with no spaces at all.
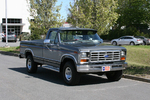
{"x":66,"y":24}
{"x":17,"y":16}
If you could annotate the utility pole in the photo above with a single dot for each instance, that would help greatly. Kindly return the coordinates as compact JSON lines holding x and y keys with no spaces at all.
{"x":6,"y":45}
{"x":77,"y":11}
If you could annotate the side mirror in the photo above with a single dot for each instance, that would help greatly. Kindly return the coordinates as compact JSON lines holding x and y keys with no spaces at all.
{"x":46,"y":41}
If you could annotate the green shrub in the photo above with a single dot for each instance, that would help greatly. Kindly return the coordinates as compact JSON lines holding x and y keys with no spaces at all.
{"x":35,"y":36}
{"x":24,"y":36}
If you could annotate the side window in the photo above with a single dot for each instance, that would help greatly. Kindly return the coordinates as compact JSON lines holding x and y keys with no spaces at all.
{"x":56,"y":39}
{"x":52,"y":36}
{"x":129,"y":37}
{"x":66,"y":36}
{"x":126,"y":38}
{"x":122,"y":38}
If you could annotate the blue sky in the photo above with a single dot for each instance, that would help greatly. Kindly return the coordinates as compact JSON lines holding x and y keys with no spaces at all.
{"x":64,"y":8}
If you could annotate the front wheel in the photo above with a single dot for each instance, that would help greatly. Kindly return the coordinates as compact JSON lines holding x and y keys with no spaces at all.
{"x":114,"y":76}
{"x":31,"y":65}
{"x":70,"y":75}
{"x":114,"y":43}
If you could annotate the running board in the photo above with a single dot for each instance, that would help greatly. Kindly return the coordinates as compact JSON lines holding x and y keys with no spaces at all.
{"x":51,"y":68}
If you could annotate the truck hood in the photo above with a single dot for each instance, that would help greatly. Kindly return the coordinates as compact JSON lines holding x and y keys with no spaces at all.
{"x":85,"y":47}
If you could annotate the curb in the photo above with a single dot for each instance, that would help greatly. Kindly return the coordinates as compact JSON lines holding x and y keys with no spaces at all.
{"x":136,"y":78}
{"x":124,"y":75}
{"x":9,"y":53}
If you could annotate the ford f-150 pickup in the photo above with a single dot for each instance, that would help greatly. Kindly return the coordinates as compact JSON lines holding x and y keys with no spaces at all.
{"x":72,"y":52}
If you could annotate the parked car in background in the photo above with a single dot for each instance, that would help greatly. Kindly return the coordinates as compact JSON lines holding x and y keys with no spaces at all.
{"x":127,"y":40}
{"x":146,"y":41}
{"x":101,"y":40}
{"x":11,"y":37}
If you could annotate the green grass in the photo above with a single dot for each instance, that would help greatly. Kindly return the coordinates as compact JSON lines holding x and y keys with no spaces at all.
{"x":138,"y":55}
{"x":137,"y":70}
{"x":138,"y":59}
{"x":10,"y":49}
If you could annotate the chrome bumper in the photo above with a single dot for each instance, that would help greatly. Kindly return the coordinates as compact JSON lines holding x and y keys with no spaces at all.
{"x":98,"y":67}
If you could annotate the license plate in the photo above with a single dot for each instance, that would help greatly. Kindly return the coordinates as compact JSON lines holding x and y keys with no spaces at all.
{"x":106,"y":68}
{"x":9,"y":36}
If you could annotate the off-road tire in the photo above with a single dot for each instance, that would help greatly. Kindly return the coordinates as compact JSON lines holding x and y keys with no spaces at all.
{"x":70,"y":75}
{"x":114,"y":76}
{"x":31,"y":65}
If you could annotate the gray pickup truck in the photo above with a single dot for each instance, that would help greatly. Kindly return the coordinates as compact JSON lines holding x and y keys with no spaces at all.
{"x":72,"y":52}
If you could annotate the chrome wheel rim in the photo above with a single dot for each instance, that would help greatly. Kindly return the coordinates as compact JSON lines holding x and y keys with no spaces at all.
{"x":132,"y":43}
{"x":29,"y":64}
{"x":68,"y":73}
{"x":114,"y":43}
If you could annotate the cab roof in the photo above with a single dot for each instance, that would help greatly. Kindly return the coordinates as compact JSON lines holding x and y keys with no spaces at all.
{"x":72,"y":28}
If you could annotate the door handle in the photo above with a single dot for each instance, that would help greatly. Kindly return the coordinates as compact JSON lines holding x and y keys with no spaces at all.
{"x":48,"y":47}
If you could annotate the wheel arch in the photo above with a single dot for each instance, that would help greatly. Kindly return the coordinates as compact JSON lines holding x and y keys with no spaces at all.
{"x":132,"y":42}
{"x":28,"y":52}
{"x":65,"y":59}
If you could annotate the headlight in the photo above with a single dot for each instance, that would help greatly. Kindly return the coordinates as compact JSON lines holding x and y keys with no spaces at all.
{"x":83,"y":54}
{"x":122,"y":53}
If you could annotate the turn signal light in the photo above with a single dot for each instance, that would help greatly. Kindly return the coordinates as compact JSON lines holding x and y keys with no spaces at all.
{"x":83,"y":60}
{"x":123,"y":58}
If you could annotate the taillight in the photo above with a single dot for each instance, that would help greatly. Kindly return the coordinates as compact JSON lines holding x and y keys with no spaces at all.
{"x":138,"y":40}
{"x":15,"y":35}
{"x":5,"y":35}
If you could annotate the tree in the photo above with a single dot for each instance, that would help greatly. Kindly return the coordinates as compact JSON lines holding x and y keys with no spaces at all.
{"x":133,"y":12}
{"x":45,"y":15}
{"x":96,"y":14}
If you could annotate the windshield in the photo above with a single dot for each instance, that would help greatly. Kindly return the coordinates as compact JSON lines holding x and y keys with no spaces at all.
{"x":84,"y":36}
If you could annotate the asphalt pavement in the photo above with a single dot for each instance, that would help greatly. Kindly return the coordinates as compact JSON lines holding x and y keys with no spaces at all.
{"x":11,"y":44}
{"x":17,"y":84}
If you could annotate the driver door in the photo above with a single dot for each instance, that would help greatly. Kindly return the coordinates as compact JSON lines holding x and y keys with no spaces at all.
{"x":51,"y":50}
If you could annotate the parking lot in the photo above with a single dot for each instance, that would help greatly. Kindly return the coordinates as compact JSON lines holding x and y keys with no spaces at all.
{"x":17,"y":84}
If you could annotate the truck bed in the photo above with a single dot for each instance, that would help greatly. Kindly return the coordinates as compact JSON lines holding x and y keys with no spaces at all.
{"x":32,"y":42}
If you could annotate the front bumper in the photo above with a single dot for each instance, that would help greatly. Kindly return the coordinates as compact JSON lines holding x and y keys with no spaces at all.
{"x":10,"y":38}
{"x":98,"y":67}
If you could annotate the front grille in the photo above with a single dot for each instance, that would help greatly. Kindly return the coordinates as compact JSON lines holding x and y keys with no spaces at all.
{"x":104,"y":56}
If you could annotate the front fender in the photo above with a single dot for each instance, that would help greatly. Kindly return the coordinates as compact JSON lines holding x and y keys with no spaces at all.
{"x":28,"y":51}
{"x":68,"y":56}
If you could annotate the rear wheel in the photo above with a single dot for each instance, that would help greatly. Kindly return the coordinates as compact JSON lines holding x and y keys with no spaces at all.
{"x":31,"y":65}
{"x":114,"y":76}
{"x":144,"y":43}
{"x":70,"y":75}
{"x":132,"y":43}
